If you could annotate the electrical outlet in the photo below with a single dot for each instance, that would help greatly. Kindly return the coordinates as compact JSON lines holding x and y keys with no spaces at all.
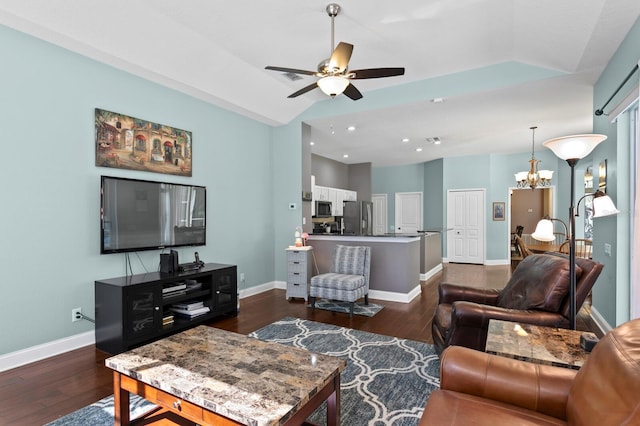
{"x":75,"y":314}
{"x":607,"y":249}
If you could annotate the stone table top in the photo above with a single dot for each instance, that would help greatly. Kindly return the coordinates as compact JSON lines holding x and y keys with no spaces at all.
{"x":243,"y":378}
{"x":541,"y":345}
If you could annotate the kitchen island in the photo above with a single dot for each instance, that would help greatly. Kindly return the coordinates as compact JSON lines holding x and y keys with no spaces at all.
{"x":395,"y":261}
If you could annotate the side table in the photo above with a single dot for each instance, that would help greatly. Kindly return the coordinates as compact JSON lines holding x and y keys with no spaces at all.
{"x":537,"y":344}
{"x":299,"y":271}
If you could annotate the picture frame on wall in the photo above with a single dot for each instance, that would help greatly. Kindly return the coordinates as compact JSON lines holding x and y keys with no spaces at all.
{"x":125,"y":142}
{"x":498,"y":210}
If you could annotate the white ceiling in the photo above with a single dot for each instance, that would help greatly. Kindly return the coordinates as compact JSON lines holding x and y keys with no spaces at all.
{"x":217,"y":51}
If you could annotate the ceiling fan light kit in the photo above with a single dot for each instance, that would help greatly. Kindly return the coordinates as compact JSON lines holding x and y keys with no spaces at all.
{"x":333,"y":85}
{"x":333,"y":73}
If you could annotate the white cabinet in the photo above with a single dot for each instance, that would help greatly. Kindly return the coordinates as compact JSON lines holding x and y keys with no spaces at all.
{"x":299,"y":272}
{"x":322,"y":193}
{"x":335,"y":195}
{"x":340,"y":195}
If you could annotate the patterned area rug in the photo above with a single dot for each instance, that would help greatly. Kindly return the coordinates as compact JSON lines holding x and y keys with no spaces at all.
{"x":101,"y":412}
{"x":358,"y":309}
{"x":387,"y":380}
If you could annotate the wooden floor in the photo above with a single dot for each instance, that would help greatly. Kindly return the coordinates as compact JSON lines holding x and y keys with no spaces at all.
{"x":46,"y":390}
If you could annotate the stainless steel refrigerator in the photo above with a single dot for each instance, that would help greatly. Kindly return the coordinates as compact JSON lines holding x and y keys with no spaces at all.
{"x":358,"y":217}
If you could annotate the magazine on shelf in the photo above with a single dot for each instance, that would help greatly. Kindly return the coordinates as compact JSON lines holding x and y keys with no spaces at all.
{"x":191,"y":313}
{"x":189,"y":305}
{"x":174,"y":287}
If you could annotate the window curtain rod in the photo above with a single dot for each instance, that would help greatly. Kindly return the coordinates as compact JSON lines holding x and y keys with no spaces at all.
{"x":600,"y":111}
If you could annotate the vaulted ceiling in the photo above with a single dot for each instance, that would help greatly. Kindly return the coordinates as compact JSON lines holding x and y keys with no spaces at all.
{"x":217,"y":51}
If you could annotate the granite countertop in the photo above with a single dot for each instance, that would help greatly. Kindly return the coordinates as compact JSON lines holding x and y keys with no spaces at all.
{"x":537,"y":344}
{"x":243,"y":378}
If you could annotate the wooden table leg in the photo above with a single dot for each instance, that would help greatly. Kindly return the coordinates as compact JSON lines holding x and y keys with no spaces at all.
{"x":333,"y":404}
{"x":120,"y":402}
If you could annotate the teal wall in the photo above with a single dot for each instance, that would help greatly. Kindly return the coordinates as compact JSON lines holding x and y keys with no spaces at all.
{"x":611,"y":295}
{"x":50,"y":193}
{"x":50,"y":214}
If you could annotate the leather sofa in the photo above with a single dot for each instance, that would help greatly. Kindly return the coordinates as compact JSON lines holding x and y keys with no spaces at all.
{"x":482,"y":389}
{"x":537,"y":293}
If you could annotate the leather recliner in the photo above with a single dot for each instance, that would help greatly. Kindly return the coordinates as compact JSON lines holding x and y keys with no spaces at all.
{"x":482,"y":389}
{"x":537,"y":293}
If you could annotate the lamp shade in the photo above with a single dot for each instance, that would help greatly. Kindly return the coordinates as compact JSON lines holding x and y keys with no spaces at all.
{"x":544,"y":231}
{"x":333,"y":85}
{"x":603,"y":206}
{"x":546,"y":174}
{"x":574,"y":146}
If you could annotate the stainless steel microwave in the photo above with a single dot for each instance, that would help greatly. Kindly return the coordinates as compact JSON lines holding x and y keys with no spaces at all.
{"x":323,"y":208}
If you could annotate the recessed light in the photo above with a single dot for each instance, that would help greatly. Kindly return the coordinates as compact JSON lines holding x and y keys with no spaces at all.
{"x":405,"y":140}
{"x":434,"y":140}
{"x":351,"y":128}
{"x":312,"y":143}
{"x":418,"y":149}
{"x":345,"y":156}
{"x":437,"y":100}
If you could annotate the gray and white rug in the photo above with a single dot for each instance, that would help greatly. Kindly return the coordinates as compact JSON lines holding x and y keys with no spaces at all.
{"x":359,"y":308}
{"x":387,"y":380}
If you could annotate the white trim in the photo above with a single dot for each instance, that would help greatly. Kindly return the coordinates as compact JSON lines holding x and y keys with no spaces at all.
{"x":600,"y":322}
{"x":46,"y":350}
{"x":56,"y":347}
{"x":497,"y":262}
{"x":431,"y":273}
{"x":624,"y":104}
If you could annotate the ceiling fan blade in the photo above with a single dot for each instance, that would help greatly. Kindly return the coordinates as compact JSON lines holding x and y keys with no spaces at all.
{"x":340,"y":56}
{"x":376,"y":73}
{"x":293,"y":70}
{"x":352,"y":92}
{"x":303,"y":90}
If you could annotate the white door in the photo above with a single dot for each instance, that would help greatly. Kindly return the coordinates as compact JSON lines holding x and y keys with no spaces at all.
{"x":379,"y":214}
{"x":465,"y":216}
{"x":408,"y":212}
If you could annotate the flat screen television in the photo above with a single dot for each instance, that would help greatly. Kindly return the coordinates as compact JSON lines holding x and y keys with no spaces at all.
{"x":138,"y":215}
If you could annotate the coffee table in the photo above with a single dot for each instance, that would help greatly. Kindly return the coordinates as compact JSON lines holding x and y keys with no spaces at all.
{"x":211,"y":376}
{"x":537,"y":344}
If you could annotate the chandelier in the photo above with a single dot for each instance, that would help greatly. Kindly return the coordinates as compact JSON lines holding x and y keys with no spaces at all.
{"x":534,"y":177}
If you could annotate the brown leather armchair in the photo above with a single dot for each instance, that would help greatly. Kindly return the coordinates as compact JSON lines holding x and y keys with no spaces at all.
{"x":537,"y":293}
{"x":481,"y":389}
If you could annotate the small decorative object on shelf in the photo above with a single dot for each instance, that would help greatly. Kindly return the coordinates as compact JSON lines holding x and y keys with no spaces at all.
{"x":298,"y":237}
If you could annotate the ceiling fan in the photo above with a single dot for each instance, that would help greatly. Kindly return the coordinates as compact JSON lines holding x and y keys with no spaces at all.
{"x":334,"y":73}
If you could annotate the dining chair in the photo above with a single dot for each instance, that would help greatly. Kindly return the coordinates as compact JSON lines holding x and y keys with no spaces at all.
{"x":584,"y":248}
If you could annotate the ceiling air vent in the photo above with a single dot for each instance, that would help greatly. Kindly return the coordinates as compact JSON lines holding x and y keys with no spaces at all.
{"x":435,"y":140}
{"x":293,"y":77}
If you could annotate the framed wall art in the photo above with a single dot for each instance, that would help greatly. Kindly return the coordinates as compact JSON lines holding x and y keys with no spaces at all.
{"x":498,"y":210}
{"x":131,"y":143}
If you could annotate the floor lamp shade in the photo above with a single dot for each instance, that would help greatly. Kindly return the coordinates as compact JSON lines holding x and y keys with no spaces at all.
{"x":575,"y":146}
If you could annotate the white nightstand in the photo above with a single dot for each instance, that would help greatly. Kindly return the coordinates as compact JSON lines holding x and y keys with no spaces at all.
{"x":299,"y":271}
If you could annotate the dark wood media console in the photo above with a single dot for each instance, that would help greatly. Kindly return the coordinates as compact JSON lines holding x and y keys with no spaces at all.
{"x":137,"y":309}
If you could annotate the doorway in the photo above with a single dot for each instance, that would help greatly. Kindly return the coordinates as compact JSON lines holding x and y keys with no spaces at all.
{"x":408,"y":212}
{"x":379,"y":214}
{"x":466,"y":217}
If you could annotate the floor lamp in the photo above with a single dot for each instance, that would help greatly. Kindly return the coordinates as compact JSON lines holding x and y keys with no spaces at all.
{"x":572,"y":149}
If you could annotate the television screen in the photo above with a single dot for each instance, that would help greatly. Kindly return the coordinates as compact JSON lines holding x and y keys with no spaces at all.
{"x":140,"y":215}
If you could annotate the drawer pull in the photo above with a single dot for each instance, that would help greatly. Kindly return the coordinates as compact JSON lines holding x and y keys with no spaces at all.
{"x":296,"y":273}
{"x":176,"y":405}
{"x":296,"y":263}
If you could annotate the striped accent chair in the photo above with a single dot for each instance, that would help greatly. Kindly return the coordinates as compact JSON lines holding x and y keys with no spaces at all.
{"x":348,"y":280}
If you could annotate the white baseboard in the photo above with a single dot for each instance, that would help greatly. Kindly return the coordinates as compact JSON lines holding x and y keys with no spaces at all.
{"x":602,"y":324}
{"x":432,"y":272}
{"x":56,"y":347}
{"x":495,"y":262}
{"x":46,"y":350}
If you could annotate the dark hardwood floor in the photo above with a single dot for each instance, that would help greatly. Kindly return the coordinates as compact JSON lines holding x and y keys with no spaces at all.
{"x":46,"y":390}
